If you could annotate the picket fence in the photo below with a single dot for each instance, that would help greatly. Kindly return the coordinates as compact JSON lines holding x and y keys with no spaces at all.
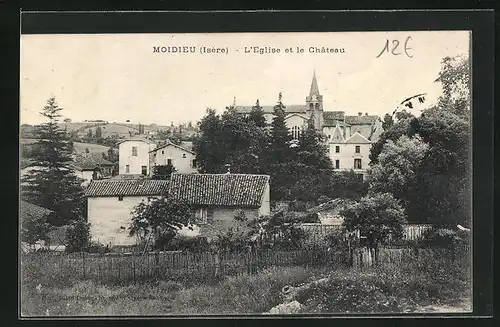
{"x":412,"y":232}
{"x":175,"y":265}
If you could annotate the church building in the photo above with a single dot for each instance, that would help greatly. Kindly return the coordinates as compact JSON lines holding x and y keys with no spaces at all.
{"x":349,"y":138}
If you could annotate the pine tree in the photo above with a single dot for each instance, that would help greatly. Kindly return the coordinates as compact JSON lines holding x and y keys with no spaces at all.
{"x":280,"y":134}
{"x":51,"y":182}
{"x":257,"y":115}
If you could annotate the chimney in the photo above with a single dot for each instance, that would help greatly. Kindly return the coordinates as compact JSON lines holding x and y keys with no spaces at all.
{"x":360,"y":113}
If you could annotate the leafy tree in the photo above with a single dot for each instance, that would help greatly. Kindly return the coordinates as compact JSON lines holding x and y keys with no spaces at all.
{"x":257,"y":115}
{"x":376,"y":216}
{"x":78,"y":236}
{"x":51,"y":183}
{"x":209,"y":147}
{"x":89,"y":133}
{"x":67,"y":120}
{"x":163,"y":171}
{"x":98,"y":132}
{"x":159,"y":218}
{"x":34,"y":228}
{"x":455,"y":80}
{"x":387,"y":122}
{"x":111,"y":155}
{"x":397,"y":172}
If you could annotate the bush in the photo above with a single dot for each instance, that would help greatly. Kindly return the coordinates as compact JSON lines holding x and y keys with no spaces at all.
{"x":96,"y":247}
{"x":184,"y":243}
{"x":78,"y":236}
{"x":443,"y":237}
{"x":323,"y":199}
{"x":230,"y":240}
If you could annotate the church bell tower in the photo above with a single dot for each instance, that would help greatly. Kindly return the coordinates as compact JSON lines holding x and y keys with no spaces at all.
{"x":314,"y":102}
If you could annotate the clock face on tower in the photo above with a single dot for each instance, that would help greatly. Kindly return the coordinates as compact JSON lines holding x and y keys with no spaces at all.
{"x":314,"y":98}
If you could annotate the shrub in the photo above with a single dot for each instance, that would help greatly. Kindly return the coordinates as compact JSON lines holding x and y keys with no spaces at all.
{"x":78,"y":236}
{"x":442,"y":237}
{"x":96,"y":247}
{"x":323,"y":199}
{"x":184,"y":243}
{"x":230,"y":240}
{"x":240,"y":216}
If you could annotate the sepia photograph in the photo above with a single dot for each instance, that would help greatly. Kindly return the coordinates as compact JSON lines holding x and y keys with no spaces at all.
{"x":263,"y":173}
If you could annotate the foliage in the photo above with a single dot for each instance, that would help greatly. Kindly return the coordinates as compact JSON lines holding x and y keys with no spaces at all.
{"x":78,"y":236}
{"x":455,"y":80}
{"x":230,"y":240}
{"x":163,"y":171}
{"x":240,"y":216}
{"x":35,"y":228}
{"x":257,"y":115}
{"x":229,"y":139}
{"x":279,"y":231}
{"x":51,"y":182}
{"x":323,"y":199}
{"x":96,"y":247}
{"x":437,"y":188}
{"x":444,"y":237}
{"x":160,"y":217}
{"x":98,"y":132}
{"x":111,"y":155}
{"x":376,"y":216}
{"x":190,"y":244}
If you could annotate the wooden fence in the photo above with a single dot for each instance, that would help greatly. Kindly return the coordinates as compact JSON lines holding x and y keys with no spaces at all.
{"x":411,"y":232}
{"x":204,"y":266}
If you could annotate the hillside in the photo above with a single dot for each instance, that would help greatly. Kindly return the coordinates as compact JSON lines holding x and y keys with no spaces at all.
{"x":80,"y":147}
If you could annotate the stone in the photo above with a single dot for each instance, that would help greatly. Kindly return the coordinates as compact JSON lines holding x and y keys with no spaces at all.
{"x":286,"y":308}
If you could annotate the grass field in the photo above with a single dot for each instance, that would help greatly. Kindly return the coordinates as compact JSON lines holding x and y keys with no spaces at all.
{"x":388,"y":288}
{"x":93,"y":148}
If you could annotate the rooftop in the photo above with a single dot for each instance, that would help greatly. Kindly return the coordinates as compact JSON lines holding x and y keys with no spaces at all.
{"x":126,"y":187}
{"x":231,"y":190}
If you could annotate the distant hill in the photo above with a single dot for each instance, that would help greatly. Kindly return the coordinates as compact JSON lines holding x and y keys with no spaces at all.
{"x":80,"y":147}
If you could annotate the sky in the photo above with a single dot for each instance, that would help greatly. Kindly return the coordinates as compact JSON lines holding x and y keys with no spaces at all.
{"x":119,"y":77}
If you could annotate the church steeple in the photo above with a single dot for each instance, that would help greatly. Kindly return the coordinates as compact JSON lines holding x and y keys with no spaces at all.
{"x":314,"y":86}
{"x":314,"y":103}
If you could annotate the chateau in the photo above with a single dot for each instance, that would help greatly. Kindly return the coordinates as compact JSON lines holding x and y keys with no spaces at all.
{"x":349,"y":138}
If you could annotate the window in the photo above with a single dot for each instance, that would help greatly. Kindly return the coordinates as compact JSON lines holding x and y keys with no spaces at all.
{"x":193,"y":163}
{"x":184,"y":155}
{"x":359,"y":177}
{"x":357,"y":149}
{"x":144,"y":170}
{"x":162,"y":152}
{"x":127,"y":169}
{"x":296,"y":132}
{"x":357,"y":163}
{"x":120,"y":197}
{"x":169,"y":162}
{"x":134,"y":151}
{"x":311,"y":106}
{"x":337,"y":149}
{"x":337,"y":164}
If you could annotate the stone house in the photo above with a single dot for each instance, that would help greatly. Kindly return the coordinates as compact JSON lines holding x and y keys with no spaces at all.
{"x":86,"y":165}
{"x":134,"y":156}
{"x":181,"y":158}
{"x":218,"y":198}
{"x":110,"y":203}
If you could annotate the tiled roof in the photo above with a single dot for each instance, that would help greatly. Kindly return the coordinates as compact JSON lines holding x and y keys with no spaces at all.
{"x":126,"y":187}
{"x":90,"y":161}
{"x":232,"y":190}
{"x":361,"y":120}
{"x":330,"y":118}
{"x":169,"y":143}
{"x":32,"y":210}
{"x":337,"y":136}
{"x":292,"y":108}
{"x":141,"y":139}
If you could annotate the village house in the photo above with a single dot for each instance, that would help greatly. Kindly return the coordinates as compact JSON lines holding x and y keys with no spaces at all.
{"x":183,"y":159}
{"x":358,"y":132}
{"x":218,"y":198}
{"x":110,"y":203}
{"x":88,"y":166}
{"x":134,"y":156}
